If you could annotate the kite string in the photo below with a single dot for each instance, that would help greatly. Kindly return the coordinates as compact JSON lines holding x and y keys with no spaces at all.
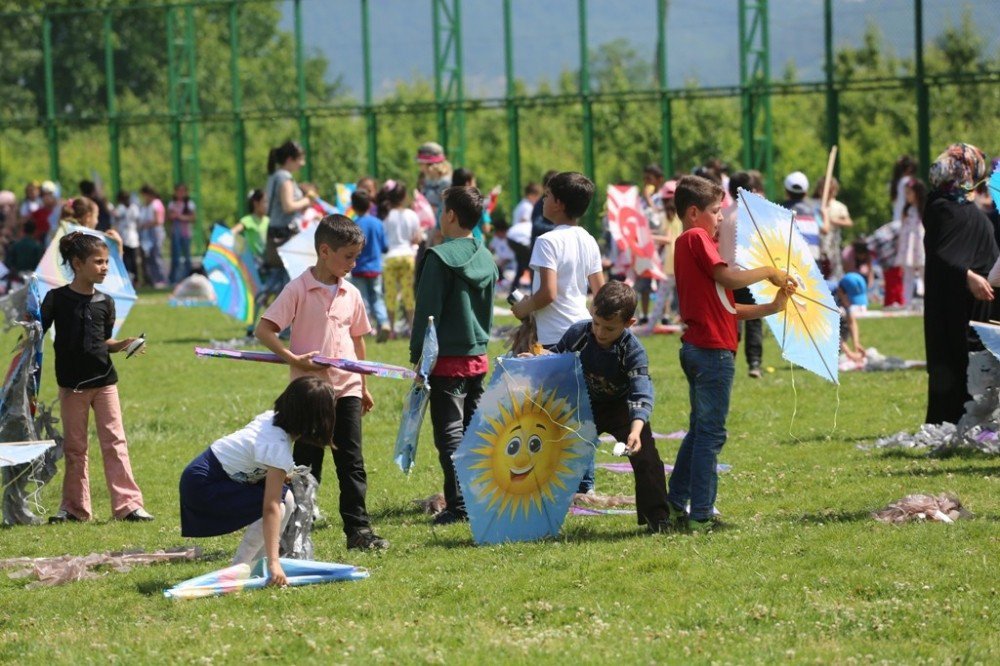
{"x":795,"y":404}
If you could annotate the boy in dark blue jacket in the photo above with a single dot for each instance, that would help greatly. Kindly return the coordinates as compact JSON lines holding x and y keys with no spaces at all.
{"x":621,"y":393}
{"x":367,"y":272}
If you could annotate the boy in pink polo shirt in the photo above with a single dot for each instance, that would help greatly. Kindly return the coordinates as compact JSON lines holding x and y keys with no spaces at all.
{"x":328,"y":318}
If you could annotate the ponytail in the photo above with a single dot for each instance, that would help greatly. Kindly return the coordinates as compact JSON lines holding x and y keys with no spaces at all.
{"x":282,"y":154}
{"x":78,"y":245}
{"x":392,"y":194}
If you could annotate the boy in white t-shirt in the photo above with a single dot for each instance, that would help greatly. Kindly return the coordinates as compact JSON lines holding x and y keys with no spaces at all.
{"x":565,"y":260}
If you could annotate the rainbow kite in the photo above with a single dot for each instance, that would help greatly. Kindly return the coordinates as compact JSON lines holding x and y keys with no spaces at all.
{"x":52,"y":273}
{"x":242,"y":577}
{"x":230,"y":267}
{"x":347,"y":364}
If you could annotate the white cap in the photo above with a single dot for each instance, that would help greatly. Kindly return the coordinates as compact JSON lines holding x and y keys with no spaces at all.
{"x":796,"y":182}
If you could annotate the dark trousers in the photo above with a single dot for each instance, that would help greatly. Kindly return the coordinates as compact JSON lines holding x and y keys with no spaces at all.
{"x":751,"y":330}
{"x":522,"y":257}
{"x":453,"y":401}
{"x":347,"y":459}
{"x":650,"y":480}
{"x":131,"y":265}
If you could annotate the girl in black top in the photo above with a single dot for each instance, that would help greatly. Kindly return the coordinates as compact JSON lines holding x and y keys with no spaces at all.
{"x":84,"y":318}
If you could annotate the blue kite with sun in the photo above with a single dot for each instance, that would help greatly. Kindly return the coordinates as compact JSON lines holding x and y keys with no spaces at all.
{"x":526,"y":448}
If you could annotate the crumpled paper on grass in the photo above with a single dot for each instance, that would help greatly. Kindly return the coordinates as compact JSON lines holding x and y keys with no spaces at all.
{"x":296,"y":540}
{"x":51,"y":571}
{"x":944,"y":508}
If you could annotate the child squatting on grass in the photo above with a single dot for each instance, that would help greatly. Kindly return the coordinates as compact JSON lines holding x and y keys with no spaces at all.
{"x":84,"y":319}
{"x":328,"y":318}
{"x":705,"y":284}
{"x":240,"y":479}
{"x":616,"y":369}
{"x":455,"y":286}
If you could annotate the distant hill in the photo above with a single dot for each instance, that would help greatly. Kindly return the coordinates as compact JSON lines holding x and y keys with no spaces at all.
{"x":701,"y":35}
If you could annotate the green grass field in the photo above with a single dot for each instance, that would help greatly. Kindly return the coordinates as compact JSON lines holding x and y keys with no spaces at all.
{"x":805,"y":574}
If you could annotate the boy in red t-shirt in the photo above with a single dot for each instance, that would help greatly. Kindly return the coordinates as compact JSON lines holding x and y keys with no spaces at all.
{"x":705,"y":285}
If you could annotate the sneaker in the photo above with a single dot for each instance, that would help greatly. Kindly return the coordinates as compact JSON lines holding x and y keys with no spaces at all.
{"x":755,"y":372}
{"x":140,"y":515}
{"x":677,"y":517}
{"x":643,"y":321}
{"x":64,"y":516}
{"x":383,"y":334}
{"x":365,"y":539}
{"x":706,"y":526}
{"x":448,"y":516}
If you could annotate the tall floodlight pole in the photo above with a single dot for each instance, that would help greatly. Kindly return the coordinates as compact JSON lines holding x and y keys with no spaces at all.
{"x":449,"y":90}
{"x":755,"y":79}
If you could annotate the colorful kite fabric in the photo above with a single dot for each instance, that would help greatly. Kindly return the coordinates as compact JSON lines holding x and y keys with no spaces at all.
{"x":347,"y":364}
{"x":231,"y":269}
{"x":415,"y":404}
{"x":19,"y":453}
{"x":990,"y":336}
{"x":994,"y":185}
{"x":630,"y":231}
{"x":53,"y":273}
{"x":244,"y":577}
{"x":299,"y":253}
{"x":526,"y":448}
{"x":808,"y":331}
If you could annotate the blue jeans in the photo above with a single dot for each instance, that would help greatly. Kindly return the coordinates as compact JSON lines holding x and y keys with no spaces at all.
{"x":371,"y":294}
{"x":710,"y":381}
{"x":180,"y":248}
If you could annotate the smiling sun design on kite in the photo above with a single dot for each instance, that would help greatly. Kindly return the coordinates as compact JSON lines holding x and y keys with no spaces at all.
{"x":525,"y":451}
{"x":805,"y":315}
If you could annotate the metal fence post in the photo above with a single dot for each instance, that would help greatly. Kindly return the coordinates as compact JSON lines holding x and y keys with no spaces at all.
{"x":923,"y":101}
{"x":513,"y":133}
{"x":300,"y":79}
{"x":239,"y":131}
{"x":51,"y":130}
{"x":832,"y":96}
{"x":449,"y":89}
{"x":371,"y":121}
{"x":666,"y":141}
{"x":109,"y":83}
{"x":588,"y":111}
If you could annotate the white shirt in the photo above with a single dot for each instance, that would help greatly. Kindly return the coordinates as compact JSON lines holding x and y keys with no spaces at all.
{"x":573,"y":254}
{"x":501,"y":250}
{"x":246,"y":454}
{"x":127,"y":223}
{"x":401,"y":225}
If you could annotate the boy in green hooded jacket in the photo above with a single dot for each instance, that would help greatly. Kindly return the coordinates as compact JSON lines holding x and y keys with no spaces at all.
{"x":455,"y":286}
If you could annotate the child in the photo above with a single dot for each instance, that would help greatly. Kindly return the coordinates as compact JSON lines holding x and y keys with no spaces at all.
{"x":254,"y":224}
{"x":238,"y":481}
{"x":565,"y":260}
{"x":456,"y":286}
{"x":704,"y":285}
{"x":621,"y":393}
{"x":402,"y":233}
{"x":83,"y":318}
{"x":181,"y":213}
{"x":126,"y":224}
{"x":24,"y":254}
{"x":328,"y":318}
{"x":852,"y":297}
{"x":910,"y":252}
{"x":367,"y":274}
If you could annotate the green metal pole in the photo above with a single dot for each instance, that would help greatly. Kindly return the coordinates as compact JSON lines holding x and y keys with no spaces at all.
{"x":666,"y":142}
{"x":371,"y":121}
{"x":113,"y":136}
{"x":513,"y":133}
{"x":923,"y":101}
{"x":239,"y":131}
{"x":175,"y":125}
{"x":832,"y":97}
{"x":194,"y":129}
{"x":746,"y":100}
{"x":300,"y":78}
{"x":442,"y":116}
{"x":456,"y":29}
{"x":588,"y":115}
{"x":52,"y":132}
{"x":767,"y":165}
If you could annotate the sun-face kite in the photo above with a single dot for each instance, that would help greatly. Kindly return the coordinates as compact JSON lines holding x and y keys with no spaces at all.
{"x":526,"y":448}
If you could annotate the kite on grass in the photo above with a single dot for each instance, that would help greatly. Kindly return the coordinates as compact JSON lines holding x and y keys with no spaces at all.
{"x":244,"y":577}
{"x":346,"y":364}
{"x":415,"y":404}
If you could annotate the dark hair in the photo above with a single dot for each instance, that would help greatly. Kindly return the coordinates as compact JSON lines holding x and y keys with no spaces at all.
{"x":253,"y":198}
{"x":467,"y":202}
{"x":573,"y":190}
{"x":653,"y":170}
{"x":29,"y":227}
{"x":708,"y":173}
{"x":148,"y":190}
{"x":307,"y":411}
{"x":337,"y":231}
{"x":532,"y":189}
{"x":698,"y":192}
{"x":461,"y":177}
{"x":904,"y":166}
{"x":75,"y":209}
{"x":547,"y":176}
{"x":748,"y":180}
{"x":87,"y":188}
{"x":366,"y":179}
{"x":392,"y":194}
{"x":78,"y":245}
{"x":615,"y":299}
{"x":920,"y":189}
{"x":286,"y":151}
{"x":124,"y":197}
{"x":361,"y":201}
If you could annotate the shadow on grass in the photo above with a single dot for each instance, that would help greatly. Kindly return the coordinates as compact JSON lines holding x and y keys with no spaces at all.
{"x":573,"y":535}
{"x":154,"y":588}
{"x":831,"y":516}
{"x":812,"y":438}
{"x":992,"y":470}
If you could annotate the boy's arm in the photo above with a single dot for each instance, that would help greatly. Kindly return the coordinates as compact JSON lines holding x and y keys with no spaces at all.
{"x":766,"y":309}
{"x":596,"y":281}
{"x":640,"y":395}
{"x":733,"y":278}
{"x":546,"y":293}
{"x":267,"y":332}
{"x":431,"y":286}
{"x":367,"y":403}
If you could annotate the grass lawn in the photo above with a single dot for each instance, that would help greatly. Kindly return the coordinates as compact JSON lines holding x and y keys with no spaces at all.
{"x":804,"y":575}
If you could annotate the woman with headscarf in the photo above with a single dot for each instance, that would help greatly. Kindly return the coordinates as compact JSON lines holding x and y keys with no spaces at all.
{"x":960,"y":249}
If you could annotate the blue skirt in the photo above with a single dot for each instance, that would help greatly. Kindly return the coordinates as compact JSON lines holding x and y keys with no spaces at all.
{"x":214,"y":504}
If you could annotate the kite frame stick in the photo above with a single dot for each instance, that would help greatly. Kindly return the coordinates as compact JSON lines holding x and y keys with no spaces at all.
{"x":825,"y":201}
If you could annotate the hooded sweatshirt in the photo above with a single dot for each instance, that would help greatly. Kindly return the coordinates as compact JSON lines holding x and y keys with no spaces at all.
{"x":456,"y":288}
